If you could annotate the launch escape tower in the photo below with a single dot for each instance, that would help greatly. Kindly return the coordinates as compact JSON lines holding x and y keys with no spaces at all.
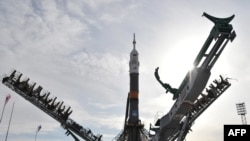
{"x":133,"y":128}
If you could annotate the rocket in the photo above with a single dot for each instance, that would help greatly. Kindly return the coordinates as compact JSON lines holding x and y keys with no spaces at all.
{"x":134,"y":86}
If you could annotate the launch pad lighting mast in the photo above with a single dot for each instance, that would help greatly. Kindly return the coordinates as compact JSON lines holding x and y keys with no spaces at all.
{"x":241,"y":110}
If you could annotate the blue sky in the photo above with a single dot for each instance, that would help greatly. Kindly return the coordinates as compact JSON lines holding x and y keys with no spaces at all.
{"x":79,"y":51}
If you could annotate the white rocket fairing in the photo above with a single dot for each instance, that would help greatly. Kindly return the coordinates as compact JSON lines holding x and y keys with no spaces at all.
{"x":134,"y":61}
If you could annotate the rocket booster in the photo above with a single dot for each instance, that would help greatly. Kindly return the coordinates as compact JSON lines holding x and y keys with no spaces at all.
{"x":134,"y":85}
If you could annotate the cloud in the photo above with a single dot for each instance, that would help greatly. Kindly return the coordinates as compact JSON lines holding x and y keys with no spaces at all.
{"x":79,"y":51}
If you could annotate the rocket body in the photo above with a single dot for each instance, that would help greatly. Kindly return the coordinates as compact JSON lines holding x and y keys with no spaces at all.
{"x":134,"y":86}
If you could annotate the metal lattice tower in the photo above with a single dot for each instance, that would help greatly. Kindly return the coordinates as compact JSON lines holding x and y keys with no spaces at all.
{"x":241,"y":110}
{"x":133,"y":130}
{"x":42,"y":99}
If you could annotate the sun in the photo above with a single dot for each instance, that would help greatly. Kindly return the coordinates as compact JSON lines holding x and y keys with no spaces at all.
{"x":178,"y":60}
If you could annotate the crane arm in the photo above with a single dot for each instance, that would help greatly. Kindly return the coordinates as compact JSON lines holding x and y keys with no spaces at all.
{"x":220,"y":32}
{"x":40,"y":98}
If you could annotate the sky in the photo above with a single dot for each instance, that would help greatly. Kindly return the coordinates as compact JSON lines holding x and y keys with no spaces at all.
{"x":79,"y":51}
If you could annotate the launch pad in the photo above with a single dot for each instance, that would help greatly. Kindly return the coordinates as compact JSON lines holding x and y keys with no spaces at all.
{"x":192,"y":97}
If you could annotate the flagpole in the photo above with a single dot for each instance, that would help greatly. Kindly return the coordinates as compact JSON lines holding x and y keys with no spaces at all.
{"x":36,"y":135}
{"x":9,"y":121}
{"x":38,"y":129}
{"x":6,"y":100}
{"x":2,"y":113}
